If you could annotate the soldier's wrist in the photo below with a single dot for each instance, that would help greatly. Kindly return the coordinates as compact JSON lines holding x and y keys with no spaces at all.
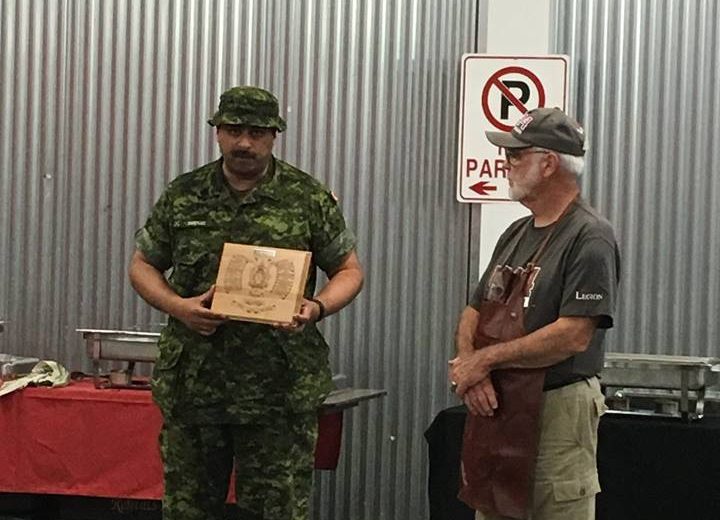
{"x":174,"y":307}
{"x":321,"y":308}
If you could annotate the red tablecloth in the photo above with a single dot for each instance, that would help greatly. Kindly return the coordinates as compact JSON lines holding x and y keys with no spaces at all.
{"x":78,"y":440}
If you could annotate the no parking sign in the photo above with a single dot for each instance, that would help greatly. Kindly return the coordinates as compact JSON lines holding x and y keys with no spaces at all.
{"x":494,"y":92}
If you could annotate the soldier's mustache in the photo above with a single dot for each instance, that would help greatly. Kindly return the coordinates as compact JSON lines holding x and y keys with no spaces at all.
{"x":239,"y":154}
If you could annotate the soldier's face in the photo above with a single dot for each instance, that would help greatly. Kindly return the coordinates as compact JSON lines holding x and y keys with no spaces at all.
{"x":246,"y":150}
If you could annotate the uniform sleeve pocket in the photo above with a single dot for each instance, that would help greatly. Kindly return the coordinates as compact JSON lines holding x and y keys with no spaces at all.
{"x":568,"y":490}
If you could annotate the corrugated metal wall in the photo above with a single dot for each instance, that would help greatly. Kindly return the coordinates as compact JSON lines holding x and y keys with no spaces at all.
{"x":646,"y":80}
{"x":102,"y":102}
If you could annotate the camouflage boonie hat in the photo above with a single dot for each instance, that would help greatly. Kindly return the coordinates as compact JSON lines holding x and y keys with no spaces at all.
{"x":251,"y":106}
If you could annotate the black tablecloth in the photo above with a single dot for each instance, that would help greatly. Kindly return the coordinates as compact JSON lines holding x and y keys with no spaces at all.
{"x":653,"y":468}
{"x":444,"y":437}
{"x":650,"y":468}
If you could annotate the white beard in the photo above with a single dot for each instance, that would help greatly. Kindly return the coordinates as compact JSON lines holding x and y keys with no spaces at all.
{"x":521,"y":190}
{"x":517,"y":192}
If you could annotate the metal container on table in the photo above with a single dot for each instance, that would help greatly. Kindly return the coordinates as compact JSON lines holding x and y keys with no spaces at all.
{"x":12,"y":367}
{"x":650,"y":384}
{"x":120,"y":346}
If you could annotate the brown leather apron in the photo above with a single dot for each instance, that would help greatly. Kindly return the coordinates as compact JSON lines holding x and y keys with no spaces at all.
{"x":499,"y":452}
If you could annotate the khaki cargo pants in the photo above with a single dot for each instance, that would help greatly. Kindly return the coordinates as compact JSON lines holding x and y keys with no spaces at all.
{"x":566,"y":479}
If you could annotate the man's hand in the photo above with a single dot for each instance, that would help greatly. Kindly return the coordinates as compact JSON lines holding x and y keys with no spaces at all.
{"x":309,"y":313}
{"x":195,"y":313}
{"x":466,"y":370}
{"x":481,"y":399}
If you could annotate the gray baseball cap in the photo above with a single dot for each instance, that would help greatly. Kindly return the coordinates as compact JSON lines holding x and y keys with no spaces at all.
{"x":549,"y":128}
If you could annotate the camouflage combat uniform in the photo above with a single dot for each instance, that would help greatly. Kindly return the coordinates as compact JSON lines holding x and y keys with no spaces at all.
{"x":261,"y":385}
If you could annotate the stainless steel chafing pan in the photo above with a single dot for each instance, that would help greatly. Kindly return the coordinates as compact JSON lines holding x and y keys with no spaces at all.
{"x":12,"y":367}
{"x":123,"y":346}
{"x":658,"y":384}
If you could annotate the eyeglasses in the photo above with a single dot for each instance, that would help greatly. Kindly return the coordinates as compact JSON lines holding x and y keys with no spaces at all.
{"x":513,"y":156}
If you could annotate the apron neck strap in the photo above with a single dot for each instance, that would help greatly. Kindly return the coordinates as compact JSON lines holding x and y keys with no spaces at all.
{"x":533,"y":261}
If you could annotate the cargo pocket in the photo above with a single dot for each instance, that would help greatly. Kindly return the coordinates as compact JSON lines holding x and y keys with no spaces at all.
{"x":569,"y":490}
{"x":308,"y":371}
{"x":166,"y":378}
{"x":170,"y":351}
{"x":600,"y":406}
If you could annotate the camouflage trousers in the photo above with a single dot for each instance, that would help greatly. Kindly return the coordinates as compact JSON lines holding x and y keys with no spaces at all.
{"x":273,"y":468}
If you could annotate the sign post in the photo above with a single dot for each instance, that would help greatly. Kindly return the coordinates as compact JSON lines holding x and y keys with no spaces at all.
{"x":494,"y":92}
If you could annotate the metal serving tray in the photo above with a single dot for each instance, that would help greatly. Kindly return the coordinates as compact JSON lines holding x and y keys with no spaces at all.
{"x":123,"y":346}
{"x":655,"y":371}
{"x":12,"y":367}
{"x":664,"y":380}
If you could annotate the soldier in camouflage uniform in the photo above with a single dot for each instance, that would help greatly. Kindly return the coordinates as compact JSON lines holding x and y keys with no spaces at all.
{"x":234,"y":391}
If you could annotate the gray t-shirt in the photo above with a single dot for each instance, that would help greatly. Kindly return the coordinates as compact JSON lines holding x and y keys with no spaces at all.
{"x":576,"y":275}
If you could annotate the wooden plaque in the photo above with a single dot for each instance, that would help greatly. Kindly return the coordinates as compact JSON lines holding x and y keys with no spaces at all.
{"x":260,"y":284}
